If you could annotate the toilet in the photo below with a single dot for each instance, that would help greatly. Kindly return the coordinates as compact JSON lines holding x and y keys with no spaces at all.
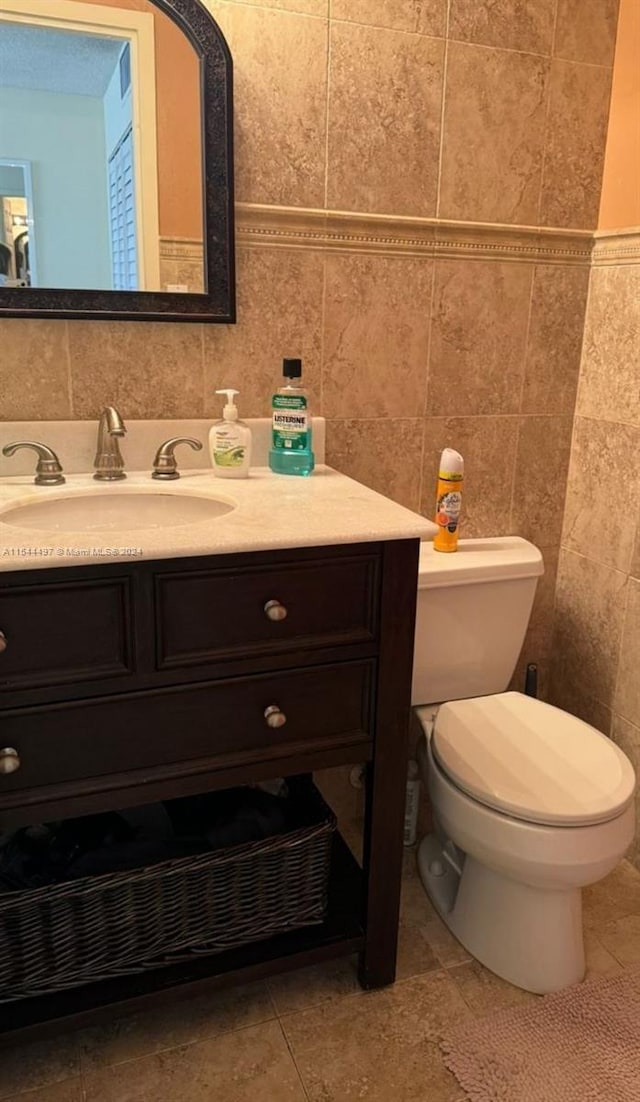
{"x":529,"y":803}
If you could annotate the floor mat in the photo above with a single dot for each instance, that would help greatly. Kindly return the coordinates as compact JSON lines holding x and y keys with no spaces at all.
{"x":578,"y":1045}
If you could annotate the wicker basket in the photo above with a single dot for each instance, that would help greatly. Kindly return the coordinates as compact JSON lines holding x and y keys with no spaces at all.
{"x":82,"y":931}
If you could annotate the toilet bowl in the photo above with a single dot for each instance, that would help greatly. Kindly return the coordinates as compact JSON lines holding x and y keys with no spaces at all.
{"x":509,"y":888}
{"x":529,"y":803}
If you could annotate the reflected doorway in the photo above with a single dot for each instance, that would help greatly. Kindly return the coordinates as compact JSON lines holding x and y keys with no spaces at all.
{"x":17,"y":230}
{"x":82,"y":106}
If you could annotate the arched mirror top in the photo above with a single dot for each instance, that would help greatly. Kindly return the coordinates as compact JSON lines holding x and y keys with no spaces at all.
{"x":116,"y":161}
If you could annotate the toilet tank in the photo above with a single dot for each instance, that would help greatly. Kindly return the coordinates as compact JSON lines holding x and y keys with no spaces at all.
{"x":472,"y":614}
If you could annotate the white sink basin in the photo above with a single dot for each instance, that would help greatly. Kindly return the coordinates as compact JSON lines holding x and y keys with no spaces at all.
{"x":113,"y":511}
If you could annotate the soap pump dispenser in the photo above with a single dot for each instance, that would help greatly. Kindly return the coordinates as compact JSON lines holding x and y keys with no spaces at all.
{"x":230,"y":441}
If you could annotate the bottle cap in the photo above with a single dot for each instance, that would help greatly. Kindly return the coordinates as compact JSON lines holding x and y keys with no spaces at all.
{"x":451,"y":464}
{"x":292,"y":369}
{"x":230,"y":411}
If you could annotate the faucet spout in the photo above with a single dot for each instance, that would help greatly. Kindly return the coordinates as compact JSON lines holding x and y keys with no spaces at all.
{"x":108,"y":463}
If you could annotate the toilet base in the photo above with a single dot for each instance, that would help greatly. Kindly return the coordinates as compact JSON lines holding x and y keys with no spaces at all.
{"x":531,"y":937}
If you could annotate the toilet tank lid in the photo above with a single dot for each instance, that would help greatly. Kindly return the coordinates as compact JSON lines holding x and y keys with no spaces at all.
{"x":481,"y":560}
{"x":532,"y":761}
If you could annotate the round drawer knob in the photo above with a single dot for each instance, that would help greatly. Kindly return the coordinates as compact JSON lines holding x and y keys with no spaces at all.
{"x":275,"y":611}
{"x":9,"y":760}
{"x":274,"y":717}
{"x":4,"y":644}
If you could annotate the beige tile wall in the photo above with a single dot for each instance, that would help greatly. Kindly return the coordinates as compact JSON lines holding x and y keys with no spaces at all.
{"x":475,"y":110}
{"x":403,"y":355}
{"x":595,"y":666}
{"x":341,"y":104}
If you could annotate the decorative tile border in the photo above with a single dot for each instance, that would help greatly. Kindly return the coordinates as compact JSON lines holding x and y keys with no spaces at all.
{"x":300,"y":228}
{"x":181,"y":248}
{"x":616,"y":247}
{"x":343,"y":231}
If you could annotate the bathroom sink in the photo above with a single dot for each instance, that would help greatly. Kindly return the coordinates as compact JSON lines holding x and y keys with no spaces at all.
{"x":114,"y":511}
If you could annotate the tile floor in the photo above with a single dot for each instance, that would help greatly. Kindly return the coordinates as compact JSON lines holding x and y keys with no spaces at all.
{"x":312,"y":1035}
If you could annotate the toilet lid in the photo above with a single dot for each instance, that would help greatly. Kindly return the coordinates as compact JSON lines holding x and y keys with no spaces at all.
{"x":532,"y":761}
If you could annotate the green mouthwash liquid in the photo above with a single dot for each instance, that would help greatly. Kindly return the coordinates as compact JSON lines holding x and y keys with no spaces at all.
{"x":291,"y":451}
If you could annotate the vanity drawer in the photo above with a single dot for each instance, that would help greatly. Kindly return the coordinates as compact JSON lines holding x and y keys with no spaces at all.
{"x":225,"y":720}
{"x":209,"y":615}
{"x":63,"y":632}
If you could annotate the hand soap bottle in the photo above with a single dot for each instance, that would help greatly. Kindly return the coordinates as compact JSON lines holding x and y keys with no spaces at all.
{"x":230,"y":442}
{"x":291,"y":451}
{"x":448,"y":500}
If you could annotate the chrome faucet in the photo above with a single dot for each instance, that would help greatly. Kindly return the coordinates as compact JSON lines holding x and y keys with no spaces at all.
{"x":108,"y":463}
{"x":48,"y":469}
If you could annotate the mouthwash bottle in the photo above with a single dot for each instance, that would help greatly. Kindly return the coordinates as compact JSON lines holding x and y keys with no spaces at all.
{"x":291,"y":451}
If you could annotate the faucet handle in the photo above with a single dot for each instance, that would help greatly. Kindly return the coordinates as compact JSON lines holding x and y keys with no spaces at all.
{"x":164,"y":464}
{"x":48,"y":467}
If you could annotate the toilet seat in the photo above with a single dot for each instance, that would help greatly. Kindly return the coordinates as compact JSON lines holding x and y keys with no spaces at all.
{"x":532,"y":761}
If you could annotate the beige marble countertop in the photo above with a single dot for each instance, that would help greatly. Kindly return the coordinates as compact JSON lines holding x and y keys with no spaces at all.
{"x":270,"y":512}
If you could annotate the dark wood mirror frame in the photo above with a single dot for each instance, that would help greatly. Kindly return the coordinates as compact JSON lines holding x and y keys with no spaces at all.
{"x":218,"y":303}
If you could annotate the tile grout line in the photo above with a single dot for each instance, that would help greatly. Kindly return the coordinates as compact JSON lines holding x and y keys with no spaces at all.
{"x":272,"y":1001}
{"x":587,"y":64}
{"x":176,"y":1046}
{"x":521,"y":415}
{"x":527,"y":339}
{"x":421,"y":480}
{"x":30,"y":1092}
{"x":326,"y":108}
{"x":204,"y":371}
{"x":562,"y":546}
{"x":294,"y":1061}
{"x":323,"y":326}
{"x":549,"y":56}
{"x":623,"y":625}
{"x":454,"y":415}
{"x":445,"y":66}
{"x":277,"y":11}
{"x":587,"y":306}
{"x":362,"y":993}
{"x":67,"y":344}
{"x":596,"y":562}
{"x":607,"y":421}
{"x":623,"y":966}
{"x":547,"y":113}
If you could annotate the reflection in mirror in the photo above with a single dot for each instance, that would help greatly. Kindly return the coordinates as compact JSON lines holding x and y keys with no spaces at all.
{"x":17,"y":248}
{"x":101,"y":163}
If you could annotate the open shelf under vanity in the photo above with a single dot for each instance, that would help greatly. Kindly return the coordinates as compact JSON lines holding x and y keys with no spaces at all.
{"x":128,"y":683}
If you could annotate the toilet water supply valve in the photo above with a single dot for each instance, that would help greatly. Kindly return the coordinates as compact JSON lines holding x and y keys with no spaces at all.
{"x":531,"y":680}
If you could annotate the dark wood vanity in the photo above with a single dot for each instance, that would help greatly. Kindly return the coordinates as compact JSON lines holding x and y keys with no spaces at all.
{"x":127,"y":683}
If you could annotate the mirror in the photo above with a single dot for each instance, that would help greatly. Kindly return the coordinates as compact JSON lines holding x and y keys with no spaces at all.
{"x":115,"y":161}
{"x":17,"y":261}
